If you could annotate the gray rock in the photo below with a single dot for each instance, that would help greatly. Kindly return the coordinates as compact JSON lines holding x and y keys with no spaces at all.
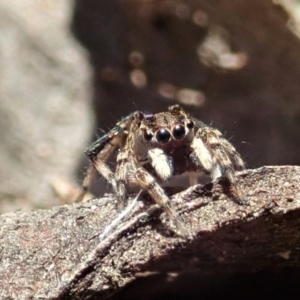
{"x":45,"y":117}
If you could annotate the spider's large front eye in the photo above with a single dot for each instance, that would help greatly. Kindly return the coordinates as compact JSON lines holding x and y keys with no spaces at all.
{"x":178,"y":131}
{"x":163,"y":136}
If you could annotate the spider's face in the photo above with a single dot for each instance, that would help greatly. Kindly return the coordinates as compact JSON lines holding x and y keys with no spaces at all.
{"x":168,"y":129}
{"x":162,"y":142}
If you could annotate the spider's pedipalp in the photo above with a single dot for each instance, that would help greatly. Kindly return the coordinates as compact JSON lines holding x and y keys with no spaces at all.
{"x":161,"y":163}
{"x":202,"y":153}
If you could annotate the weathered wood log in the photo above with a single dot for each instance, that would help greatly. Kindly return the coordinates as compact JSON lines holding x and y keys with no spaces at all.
{"x":57,"y":254}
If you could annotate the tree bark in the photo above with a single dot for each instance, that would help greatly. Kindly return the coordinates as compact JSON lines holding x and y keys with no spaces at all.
{"x":57,"y":254}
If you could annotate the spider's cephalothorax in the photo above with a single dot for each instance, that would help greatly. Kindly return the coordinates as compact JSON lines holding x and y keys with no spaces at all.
{"x":154,"y":147}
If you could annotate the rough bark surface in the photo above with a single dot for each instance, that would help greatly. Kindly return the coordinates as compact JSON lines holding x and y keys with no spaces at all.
{"x":57,"y":254}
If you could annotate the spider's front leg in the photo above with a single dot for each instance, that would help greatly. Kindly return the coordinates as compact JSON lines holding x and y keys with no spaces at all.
{"x":219,"y":158}
{"x":130,"y":173}
{"x":148,"y":183}
{"x":100,"y":151}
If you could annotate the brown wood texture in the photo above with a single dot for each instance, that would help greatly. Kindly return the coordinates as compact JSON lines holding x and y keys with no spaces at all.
{"x":57,"y":254}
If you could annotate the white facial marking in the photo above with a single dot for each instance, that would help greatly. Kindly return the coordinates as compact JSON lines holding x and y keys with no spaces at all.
{"x":159,"y":161}
{"x":216,"y":173}
{"x":202,"y":153}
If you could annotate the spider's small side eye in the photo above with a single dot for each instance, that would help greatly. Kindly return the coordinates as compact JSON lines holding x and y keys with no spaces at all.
{"x":148,"y":136}
{"x":190,"y":124}
{"x":163,"y":136}
{"x":139,"y":115}
{"x":178,"y":131}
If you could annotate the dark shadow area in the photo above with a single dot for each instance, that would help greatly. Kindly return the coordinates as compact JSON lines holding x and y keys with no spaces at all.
{"x":260,"y":285}
{"x":237,"y":261}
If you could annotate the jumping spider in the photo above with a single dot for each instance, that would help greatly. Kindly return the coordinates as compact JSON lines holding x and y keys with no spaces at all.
{"x":154,"y":147}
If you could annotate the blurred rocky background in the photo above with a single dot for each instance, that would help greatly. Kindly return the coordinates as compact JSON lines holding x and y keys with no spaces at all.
{"x":45,"y":109}
{"x":234,"y":64}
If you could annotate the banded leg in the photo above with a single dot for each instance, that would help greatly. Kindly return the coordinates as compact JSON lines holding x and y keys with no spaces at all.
{"x":148,"y":183}
{"x":219,"y":158}
{"x":130,"y":173}
{"x":100,"y":151}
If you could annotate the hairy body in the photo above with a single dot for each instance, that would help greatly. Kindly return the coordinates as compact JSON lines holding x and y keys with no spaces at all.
{"x":154,"y":147}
